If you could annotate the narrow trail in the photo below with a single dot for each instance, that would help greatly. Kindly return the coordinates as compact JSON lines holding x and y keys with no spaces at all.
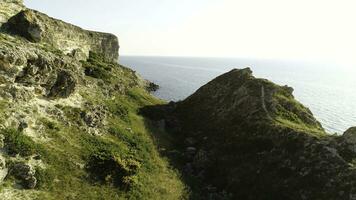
{"x":263,"y":102}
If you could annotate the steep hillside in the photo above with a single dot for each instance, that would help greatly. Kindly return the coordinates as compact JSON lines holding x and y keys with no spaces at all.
{"x":72,"y":127}
{"x":248,"y":138}
{"x":69,"y":127}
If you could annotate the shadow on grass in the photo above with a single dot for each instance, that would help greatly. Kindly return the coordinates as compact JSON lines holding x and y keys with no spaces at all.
{"x":170,"y":143}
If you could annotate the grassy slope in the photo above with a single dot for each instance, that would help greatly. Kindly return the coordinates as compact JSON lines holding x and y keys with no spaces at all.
{"x":125,"y":138}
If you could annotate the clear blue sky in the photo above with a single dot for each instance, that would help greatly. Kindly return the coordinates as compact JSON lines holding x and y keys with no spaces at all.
{"x":296,"y":29}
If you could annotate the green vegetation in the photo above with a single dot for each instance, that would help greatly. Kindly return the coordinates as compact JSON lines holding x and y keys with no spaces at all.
{"x":97,"y":67}
{"x":117,"y":160}
{"x":122,"y":163}
{"x":290,"y":113}
{"x":18,"y":143}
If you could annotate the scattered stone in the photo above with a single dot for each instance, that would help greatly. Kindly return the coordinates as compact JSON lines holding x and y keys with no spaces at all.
{"x":23,"y":125}
{"x":94,"y":116}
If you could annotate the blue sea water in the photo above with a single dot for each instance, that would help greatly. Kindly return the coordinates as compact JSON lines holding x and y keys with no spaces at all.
{"x":329,"y":90}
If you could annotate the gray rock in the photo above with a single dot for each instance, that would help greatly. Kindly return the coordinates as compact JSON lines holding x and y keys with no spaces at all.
{"x":25,"y":173}
{"x":349,"y":140}
{"x":26,"y":25}
{"x":64,"y":85}
{"x":94,"y":116}
{"x":350,"y":135}
{"x":23,"y":125}
{"x":78,"y":54}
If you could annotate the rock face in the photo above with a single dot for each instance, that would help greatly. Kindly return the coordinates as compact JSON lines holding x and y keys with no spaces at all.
{"x":38,"y":27}
{"x":64,"y":85}
{"x":9,"y":8}
{"x":255,"y":141}
{"x":69,"y":127}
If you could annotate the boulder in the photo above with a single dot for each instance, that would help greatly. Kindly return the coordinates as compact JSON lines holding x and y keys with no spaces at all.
{"x":9,"y":8}
{"x":25,"y":173}
{"x":26,"y":25}
{"x":350,"y":136}
{"x":94,"y":116}
{"x":64,"y":85}
{"x":347,"y":144}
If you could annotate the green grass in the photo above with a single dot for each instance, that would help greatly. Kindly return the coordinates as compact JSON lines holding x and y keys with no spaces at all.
{"x":121,"y":163}
{"x":18,"y":143}
{"x":97,"y":67}
{"x":292,"y":114}
{"x":124,"y":163}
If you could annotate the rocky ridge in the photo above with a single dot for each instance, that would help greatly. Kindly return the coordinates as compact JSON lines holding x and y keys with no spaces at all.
{"x":248,"y":138}
{"x":71,"y":40}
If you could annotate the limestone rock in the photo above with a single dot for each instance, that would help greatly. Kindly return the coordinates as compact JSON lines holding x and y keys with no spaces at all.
{"x":9,"y":8}
{"x":78,"y":54}
{"x":95,"y":116}
{"x":38,"y":27}
{"x":64,"y":85}
{"x":27,"y":25}
{"x":25,"y":173}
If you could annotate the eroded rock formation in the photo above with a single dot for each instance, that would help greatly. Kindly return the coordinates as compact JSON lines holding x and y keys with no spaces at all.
{"x":38,"y":27}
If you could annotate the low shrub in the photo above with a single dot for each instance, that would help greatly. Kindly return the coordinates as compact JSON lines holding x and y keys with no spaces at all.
{"x":18,"y":143}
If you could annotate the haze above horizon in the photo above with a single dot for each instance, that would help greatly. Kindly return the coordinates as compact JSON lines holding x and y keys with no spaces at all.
{"x":276,"y":29}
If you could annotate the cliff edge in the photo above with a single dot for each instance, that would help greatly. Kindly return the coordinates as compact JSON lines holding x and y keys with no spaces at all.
{"x":69,"y":127}
{"x":71,"y":40}
{"x":10,"y":8}
{"x":247,"y":138}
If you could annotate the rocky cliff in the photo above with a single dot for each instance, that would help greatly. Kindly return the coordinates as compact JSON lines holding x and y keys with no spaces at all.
{"x":248,"y":138}
{"x":70,"y":39}
{"x":72,"y":127}
{"x":69,"y":127}
{"x":10,"y":8}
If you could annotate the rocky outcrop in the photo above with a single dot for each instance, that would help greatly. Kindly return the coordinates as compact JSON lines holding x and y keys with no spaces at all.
{"x":25,"y":173}
{"x":64,"y":85}
{"x":69,"y":127}
{"x":9,"y":8}
{"x":38,"y":27}
{"x":248,"y":138}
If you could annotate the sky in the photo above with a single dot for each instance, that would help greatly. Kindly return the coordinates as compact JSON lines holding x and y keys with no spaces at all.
{"x":274,"y":29}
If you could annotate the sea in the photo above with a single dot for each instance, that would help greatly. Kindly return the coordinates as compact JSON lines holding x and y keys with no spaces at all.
{"x":328,"y":90}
